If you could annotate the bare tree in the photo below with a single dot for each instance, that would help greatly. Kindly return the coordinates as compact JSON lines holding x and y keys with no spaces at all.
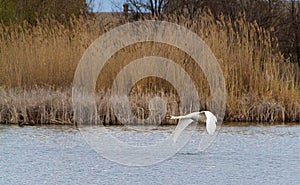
{"x":155,"y":7}
{"x":295,"y":28}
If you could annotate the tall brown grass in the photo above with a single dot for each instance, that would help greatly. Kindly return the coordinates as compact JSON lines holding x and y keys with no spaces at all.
{"x":38,"y":63}
{"x":45,"y":54}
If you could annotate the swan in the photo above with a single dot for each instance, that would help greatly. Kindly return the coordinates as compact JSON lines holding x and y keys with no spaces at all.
{"x":200,"y":117}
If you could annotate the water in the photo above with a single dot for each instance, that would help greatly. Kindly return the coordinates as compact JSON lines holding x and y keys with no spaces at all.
{"x":239,"y":155}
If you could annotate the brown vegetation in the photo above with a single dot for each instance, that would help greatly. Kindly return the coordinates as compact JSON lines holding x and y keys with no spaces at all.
{"x":281,"y":16}
{"x":37,"y":64}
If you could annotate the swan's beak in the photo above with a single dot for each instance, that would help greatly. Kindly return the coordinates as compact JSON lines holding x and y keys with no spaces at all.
{"x":168,"y":117}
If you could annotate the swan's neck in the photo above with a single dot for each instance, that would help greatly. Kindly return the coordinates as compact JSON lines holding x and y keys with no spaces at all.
{"x":198,"y":117}
{"x":181,"y":117}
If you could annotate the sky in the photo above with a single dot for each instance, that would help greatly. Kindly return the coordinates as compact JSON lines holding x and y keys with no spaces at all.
{"x":107,"y":5}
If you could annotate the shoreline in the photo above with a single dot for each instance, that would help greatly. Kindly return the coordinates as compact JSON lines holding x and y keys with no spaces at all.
{"x":224,"y":124}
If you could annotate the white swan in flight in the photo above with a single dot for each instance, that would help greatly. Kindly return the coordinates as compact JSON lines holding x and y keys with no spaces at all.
{"x":203,"y":116}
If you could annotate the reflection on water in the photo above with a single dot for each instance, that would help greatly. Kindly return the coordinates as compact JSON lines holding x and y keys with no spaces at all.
{"x":240,"y":155}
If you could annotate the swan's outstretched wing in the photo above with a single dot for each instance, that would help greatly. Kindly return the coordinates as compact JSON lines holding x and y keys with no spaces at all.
{"x":211,"y":121}
{"x":182,"y":124}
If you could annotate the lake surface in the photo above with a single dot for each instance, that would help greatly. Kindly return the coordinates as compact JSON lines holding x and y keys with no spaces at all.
{"x":239,"y":155}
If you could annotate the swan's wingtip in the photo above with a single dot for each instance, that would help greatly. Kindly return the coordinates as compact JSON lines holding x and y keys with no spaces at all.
{"x":174,"y":140}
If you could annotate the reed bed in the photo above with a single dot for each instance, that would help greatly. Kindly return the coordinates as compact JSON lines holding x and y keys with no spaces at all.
{"x":37,"y":64}
{"x":54,"y":106}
